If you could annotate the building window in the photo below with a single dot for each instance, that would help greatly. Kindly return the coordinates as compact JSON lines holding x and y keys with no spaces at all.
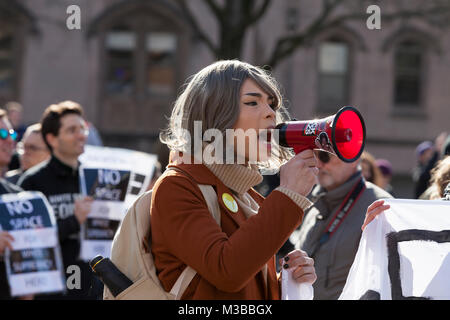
{"x":408,"y":71}
{"x":143,"y":46}
{"x":333,"y":75}
{"x":161,"y":49}
{"x":140,"y":61}
{"x":120,"y":44}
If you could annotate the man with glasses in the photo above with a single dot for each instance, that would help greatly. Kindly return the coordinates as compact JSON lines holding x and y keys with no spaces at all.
{"x":32,"y":151}
{"x":7,"y":138}
{"x":64,"y":131}
{"x":331,"y":229}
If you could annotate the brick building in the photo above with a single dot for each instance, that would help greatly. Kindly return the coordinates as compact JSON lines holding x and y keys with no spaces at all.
{"x":127,"y":62}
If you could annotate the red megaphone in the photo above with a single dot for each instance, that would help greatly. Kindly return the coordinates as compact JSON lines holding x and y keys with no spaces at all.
{"x":343,"y":134}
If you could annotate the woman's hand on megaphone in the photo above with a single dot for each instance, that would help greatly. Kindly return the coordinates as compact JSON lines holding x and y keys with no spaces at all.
{"x":299,"y":174}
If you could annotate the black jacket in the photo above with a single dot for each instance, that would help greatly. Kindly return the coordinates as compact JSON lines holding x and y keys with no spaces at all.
{"x":422,"y":175}
{"x":60,"y":184}
{"x":5,"y":187}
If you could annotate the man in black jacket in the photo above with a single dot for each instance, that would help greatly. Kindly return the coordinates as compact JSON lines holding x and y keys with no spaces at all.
{"x":64,"y":132}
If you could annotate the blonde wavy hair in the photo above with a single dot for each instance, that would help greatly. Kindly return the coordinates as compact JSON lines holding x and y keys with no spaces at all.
{"x":212,"y":96}
{"x":440,"y":178}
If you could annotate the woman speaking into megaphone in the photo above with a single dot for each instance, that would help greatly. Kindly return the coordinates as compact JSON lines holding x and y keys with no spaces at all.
{"x":232,"y":257}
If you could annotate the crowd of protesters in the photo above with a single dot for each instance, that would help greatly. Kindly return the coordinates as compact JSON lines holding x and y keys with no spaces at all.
{"x":44,"y":157}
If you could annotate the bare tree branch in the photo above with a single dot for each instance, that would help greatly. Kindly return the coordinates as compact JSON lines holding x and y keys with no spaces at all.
{"x":286,"y":45}
{"x":216,"y":9}
{"x":199,"y":32}
{"x":235,"y":17}
{"x":260,"y":12}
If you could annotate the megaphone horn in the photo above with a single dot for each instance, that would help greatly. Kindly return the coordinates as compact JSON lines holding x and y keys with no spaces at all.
{"x":342,"y":134}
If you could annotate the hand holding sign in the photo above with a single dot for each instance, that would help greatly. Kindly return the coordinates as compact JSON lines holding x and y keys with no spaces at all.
{"x":5,"y":241}
{"x":114,"y":178}
{"x":82,"y":208}
{"x":302,"y":266}
{"x":33,"y":261}
{"x":373,"y":210}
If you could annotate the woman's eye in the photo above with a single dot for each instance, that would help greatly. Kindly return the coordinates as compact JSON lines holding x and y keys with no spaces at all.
{"x":252,"y":103}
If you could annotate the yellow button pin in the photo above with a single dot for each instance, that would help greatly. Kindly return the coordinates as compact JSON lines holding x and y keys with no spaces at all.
{"x":229,"y":202}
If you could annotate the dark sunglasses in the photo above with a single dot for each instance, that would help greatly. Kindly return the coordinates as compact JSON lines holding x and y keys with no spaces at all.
{"x":323,"y":156}
{"x":5,"y":133}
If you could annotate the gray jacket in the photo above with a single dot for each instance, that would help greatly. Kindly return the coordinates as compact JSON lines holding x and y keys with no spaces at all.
{"x":334,"y":258}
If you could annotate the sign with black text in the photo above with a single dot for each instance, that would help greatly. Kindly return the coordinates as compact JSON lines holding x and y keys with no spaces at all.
{"x":34,"y":265}
{"x":114,"y":178}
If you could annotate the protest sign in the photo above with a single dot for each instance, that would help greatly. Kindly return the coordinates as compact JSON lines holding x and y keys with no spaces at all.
{"x":113,"y":177}
{"x":403,"y":254}
{"x":34,"y":264}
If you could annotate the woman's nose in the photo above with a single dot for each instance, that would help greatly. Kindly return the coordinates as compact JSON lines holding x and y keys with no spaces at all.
{"x":269,"y":112}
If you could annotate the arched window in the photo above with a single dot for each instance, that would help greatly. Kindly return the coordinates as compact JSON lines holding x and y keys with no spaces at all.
{"x":141,"y":59}
{"x":408,"y":71}
{"x":161,"y":49}
{"x":334,"y":71}
{"x":143,"y":48}
{"x":120,"y":44}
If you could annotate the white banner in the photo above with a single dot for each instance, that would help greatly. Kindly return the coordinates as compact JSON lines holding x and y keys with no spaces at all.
{"x":403,"y":254}
{"x":114,"y":177}
{"x":34,"y":264}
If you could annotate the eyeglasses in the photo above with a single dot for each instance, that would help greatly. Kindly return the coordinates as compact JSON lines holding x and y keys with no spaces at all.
{"x":76,"y":130}
{"x":323,"y":156}
{"x":30,"y":148}
{"x":4,"y":133}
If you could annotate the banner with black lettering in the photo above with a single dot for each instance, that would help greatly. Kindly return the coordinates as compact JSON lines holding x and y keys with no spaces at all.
{"x":114,"y":177}
{"x":34,"y":265}
{"x":404,"y":253}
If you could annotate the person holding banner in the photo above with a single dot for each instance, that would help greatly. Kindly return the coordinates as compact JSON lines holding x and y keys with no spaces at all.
{"x":7,"y":137}
{"x":331,"y":231}
{"x":440,"y":180}
{"x":235,"y":258}
{"x":64,"y":132}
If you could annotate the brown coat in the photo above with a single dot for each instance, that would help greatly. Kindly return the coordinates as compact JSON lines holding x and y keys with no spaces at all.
{"x":229,"y":258}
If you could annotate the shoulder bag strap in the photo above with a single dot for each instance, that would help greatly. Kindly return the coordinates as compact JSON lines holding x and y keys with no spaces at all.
{"x":188,"y":273}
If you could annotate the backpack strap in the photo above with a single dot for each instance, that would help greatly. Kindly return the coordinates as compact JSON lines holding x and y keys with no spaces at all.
{"x":210,"y":196}
{"x":188,"y":273}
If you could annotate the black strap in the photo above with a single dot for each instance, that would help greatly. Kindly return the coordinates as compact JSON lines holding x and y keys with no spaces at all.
{"x":341,"y":214}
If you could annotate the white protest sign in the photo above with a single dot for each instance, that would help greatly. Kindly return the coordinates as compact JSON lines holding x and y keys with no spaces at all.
{"x":114,"y":177}
{"x":403,"y":254}
{"x":34,"y":264}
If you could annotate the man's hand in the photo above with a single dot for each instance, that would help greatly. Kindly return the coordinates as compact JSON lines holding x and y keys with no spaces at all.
{"x":82,"y":208}
{"x":5,"y":241}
